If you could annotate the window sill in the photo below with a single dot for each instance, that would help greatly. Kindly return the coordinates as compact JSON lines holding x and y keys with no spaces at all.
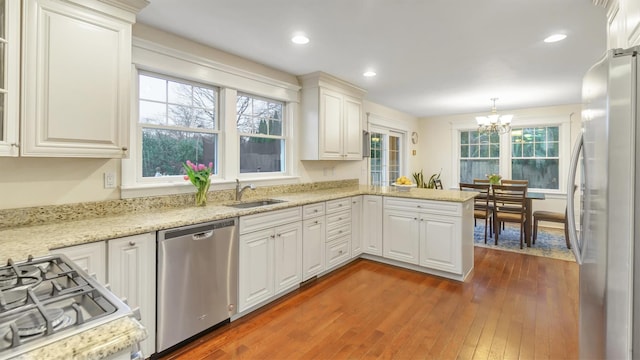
{"x":163,"y":189}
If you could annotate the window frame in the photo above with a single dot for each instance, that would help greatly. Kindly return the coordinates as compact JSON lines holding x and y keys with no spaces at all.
{"x":520,"y":121}
{"x":512,"y":158}
{"x":140,"y":126}
{"x":155,"y":56}
{"x":283,"y":137}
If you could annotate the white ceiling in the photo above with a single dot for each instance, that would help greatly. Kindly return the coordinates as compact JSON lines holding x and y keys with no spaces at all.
{"x":432,"y":57}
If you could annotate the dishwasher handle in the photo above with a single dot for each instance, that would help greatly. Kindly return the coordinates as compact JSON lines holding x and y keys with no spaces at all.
{"x":202,"y":235}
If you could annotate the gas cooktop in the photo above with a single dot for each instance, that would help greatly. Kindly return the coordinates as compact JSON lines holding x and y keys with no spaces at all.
{"x":43,"y":300}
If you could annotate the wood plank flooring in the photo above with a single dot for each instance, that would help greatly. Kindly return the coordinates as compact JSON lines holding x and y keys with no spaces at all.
{"x":513,"y":306}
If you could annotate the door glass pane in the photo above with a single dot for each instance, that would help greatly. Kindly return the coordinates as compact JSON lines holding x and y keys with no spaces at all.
{"x":376,"y":159}
{"x":394,"y":158}
{"x":3,"y":20}
{"x":3,"y":62}
{"x":2,"y":108}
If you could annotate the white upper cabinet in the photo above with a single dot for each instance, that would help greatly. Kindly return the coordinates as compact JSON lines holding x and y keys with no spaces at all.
{"x":623,"y":28}
{"x":76,"y":77}
{"x":331,"y":126}
{"x":9,"y":76}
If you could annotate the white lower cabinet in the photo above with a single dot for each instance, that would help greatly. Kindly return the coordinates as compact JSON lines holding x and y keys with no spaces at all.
{"x":339,"y":227}
{"x":429,"y":234}
{"x":440,"y":242}
{"x":372,"y":224}
{"x":91,"y":257}
{"x":401,"y":233}
{"x":337,"y":252}
{"x":270,"y":256}
{"x":132,"y":274}
{"x":313,"y":239}
{"x":356,"y":226}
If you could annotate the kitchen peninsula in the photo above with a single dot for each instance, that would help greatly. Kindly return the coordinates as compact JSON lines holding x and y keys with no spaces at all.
{"x":426,"y":230}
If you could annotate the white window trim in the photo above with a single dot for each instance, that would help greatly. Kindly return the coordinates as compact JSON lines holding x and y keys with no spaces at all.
{"x":560,"y":120}
{"x":156,"y":58}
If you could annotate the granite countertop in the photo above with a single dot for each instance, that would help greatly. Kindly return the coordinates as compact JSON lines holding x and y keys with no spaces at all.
{"x":96,"y":343}
{"x":39,"y":240}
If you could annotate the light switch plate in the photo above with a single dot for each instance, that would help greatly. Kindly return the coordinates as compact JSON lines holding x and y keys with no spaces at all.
{"x":109,"y":180}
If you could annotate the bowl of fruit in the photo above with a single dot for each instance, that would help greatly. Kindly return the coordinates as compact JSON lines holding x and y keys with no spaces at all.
{"x":403,"y":183}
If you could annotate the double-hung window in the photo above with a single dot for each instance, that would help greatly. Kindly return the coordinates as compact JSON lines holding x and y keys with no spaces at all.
{"x":535,"y":156}
{"x":178,"y":121}
{"x":479,"y":155}
{"x":260,"y":123}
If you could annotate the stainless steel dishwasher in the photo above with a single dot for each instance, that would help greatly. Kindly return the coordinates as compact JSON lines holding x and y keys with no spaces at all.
{"x":197,"y":279}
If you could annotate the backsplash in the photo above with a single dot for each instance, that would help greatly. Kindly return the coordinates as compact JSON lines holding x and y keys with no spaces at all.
{"x":53,"y":213}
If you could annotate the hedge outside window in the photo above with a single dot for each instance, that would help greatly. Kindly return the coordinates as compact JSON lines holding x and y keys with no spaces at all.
{"x":177,"y":122}
{"x":260,"y":125}
{"x":535,"y":156}
{"x":479,"y":155}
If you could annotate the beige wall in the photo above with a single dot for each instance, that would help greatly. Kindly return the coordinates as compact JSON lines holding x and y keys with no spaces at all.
{"x":437,"y":145}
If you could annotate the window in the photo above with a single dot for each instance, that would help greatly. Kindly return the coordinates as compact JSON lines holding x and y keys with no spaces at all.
{"x":385,"y":157}
{"x":177,"y":122}
{"x":260,"y":127}
{"x":535,"y":156}
{"x":479,"y":155}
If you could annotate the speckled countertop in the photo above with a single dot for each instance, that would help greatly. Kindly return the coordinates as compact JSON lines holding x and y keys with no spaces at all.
{"x":95,"y":343}
{"x":38,"y":240}
{"x":18,"y":242}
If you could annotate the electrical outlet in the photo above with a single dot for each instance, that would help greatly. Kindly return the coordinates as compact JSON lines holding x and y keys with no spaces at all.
{"x":109,"y":180}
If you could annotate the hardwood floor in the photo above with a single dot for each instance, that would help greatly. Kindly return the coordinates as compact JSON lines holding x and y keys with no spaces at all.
{"x":513,"y":306}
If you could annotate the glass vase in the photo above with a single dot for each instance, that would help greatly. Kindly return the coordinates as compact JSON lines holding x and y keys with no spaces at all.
{"x":201,"y":194}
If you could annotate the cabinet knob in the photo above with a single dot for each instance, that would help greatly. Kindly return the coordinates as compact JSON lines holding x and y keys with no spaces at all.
{"x":132,"y":243}
{"x":316,"y":210}
{"x":353,"y":202}
{"x":415,"y":218}
{"x":15,"y":145}
{"x":316,"y":221}
{"x":340,"y":251}
{"x":419,"y":206}
{"x":340,"y":232}
{"x":279,"y":235}
{"x":273,"y":236}
{"x":125,"y":149}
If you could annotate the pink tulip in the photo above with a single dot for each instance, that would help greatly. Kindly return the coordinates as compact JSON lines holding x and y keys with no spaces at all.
{"x":186,"y":177}
{"x":201,"y":167}
{"x":188,"y":163}
{"x":194,"y":166}
{"x":211,"y":165}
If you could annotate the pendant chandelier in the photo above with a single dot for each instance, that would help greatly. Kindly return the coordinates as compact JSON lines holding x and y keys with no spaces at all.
{"x":494,"y":122}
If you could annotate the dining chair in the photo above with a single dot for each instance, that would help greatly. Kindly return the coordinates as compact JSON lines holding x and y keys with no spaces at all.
{"x":509,"y":205}
{"x":481,"y":181}
{"x":552,"y":216}
{"x":481,"y":208}
{"x":515,"y":182}
{"x":438,"y":183}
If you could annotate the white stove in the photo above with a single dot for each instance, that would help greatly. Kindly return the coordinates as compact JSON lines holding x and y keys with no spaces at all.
{"x":43,"y":300}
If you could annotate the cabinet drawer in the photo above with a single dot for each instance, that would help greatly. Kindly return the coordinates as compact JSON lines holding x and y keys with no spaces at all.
{"x":342,"y":230}
{"x":312,"y":210}
{"x":269,"y":219}
{"x":334,"y":206}
{"x":338,"y":219}
{"x":425,"y":206}
{"x":337,"y":252}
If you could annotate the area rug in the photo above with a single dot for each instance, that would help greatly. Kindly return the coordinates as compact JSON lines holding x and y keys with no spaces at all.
{"x":550,"y":242}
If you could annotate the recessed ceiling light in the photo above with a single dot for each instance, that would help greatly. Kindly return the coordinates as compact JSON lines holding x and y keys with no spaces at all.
{"x":300,"y":39}
{"x":555,"y":37}
{"x":369,"y":73}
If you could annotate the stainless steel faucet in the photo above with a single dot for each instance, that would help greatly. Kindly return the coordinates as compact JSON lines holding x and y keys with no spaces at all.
{"x":239,"y":191}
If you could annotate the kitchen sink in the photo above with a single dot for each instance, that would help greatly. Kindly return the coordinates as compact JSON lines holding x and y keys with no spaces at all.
{"x":258,"y":203}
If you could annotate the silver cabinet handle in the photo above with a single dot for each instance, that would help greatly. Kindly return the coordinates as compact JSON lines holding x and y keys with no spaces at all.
{"x":202,"y":236}
{"x":132,"y":243}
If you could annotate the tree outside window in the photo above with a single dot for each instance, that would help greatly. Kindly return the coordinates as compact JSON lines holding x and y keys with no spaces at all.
{"x":535,"y":156}
{"x":479,"y":155}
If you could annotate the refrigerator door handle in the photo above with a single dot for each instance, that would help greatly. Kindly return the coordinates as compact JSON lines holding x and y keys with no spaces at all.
{"x":571,"y":219}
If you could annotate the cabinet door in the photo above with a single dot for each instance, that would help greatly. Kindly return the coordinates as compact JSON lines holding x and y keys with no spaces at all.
{"x":356,"y":226}
{"x":330,"y":125}
{"x":337,"y":252}
{"x":288,"y":256}
{"x":92,"y":258}
{"x":401,"y":236}
{"x":76,"y":81}
{"x":440,"y":242}
{"x":372,"y":232}
{"x":313,"y":236}
{"x":352,"y":147}
{"x":10,"y":79}
{"x":256,"y":268}
{"x":132,"y":274}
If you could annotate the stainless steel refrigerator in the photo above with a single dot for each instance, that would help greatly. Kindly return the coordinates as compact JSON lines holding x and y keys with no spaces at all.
{"x":606,"y":158}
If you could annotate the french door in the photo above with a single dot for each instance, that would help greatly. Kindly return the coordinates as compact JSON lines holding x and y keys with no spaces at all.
{"x":386,"y":160}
